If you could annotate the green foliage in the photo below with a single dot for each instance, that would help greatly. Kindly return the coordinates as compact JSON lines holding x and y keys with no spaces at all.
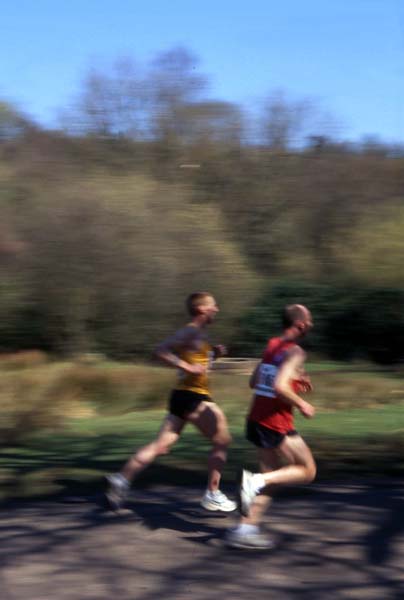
{"x":154,"y":193}
{"x":106,"y":264}
{"x":351,"y":322}
{"x":374,"y":247}
{"x":263,"y":320}
{"x":370,"y":324}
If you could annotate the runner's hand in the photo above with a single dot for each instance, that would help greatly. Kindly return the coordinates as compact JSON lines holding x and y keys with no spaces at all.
{"x":219,"y":350}
{"x":305,"y":384}
{"x":306,"y":409}
{"x":195,"y":369}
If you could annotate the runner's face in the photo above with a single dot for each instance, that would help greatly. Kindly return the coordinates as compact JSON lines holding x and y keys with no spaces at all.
{"x":306,"y":323}
{"x":209,"y":308}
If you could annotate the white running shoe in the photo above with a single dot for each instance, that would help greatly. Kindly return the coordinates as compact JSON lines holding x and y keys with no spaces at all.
{"x":117,"y":492}
{"x":247,"y":541}
{"x":246,"y":492}
{"x":217,"y":501}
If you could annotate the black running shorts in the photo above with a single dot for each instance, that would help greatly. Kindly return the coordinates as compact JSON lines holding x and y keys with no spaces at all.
{"x":183,"y":402}
{"x":263,"y":437}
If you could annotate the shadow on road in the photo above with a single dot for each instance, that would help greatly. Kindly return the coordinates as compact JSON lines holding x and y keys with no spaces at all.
{"x":337,"y":541}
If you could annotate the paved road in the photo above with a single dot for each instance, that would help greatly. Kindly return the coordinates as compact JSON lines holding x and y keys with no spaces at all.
{"x":333,"y":542}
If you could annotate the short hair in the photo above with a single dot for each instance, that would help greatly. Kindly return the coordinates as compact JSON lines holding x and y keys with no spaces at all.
{"x":194,"y":301}
{"x":292,"y":313}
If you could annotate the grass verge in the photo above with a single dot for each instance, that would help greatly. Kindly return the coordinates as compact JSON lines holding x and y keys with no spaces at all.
{"x":358,"y":429}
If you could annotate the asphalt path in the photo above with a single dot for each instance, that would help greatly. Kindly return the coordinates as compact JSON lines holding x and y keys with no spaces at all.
{"x":331,"y":542}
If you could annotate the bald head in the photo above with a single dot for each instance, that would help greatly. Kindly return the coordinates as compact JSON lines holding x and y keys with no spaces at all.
{"x":296,"y":315}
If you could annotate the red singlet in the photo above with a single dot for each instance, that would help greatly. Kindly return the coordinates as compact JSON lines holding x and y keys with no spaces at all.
{"x":267,"y":408}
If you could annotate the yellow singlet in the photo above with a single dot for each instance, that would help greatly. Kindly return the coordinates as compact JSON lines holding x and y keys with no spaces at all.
{"x":201,"y":354}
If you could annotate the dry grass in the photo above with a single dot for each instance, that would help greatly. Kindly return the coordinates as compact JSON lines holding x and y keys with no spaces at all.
{"x":336,"y":391}
{"x":47,"y":396}
{"x":36,"y":393}
{"x":100,"y":410}
{"x":22,"y":360}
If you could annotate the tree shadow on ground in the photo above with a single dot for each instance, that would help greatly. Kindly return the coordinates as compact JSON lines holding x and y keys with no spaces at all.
{"x":358,"y":556}
{"x":337,"y":541}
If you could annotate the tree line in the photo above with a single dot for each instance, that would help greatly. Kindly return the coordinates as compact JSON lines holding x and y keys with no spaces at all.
{"x":149,"y":189}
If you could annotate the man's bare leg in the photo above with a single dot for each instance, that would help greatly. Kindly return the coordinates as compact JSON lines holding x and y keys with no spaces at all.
{"x":119,"y":483}
{"x":300,"y":468}
{"x":269,"y":461}
{"x":257,"y":489}
{"x":211,"y":422}
{"x":247,"y":534}
{"x":169,"y":433}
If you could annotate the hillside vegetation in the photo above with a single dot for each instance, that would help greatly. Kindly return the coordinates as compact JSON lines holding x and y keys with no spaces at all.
{"x":151,"y":189}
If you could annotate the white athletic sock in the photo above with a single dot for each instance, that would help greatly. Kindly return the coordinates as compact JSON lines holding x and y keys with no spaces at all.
{"x":120,"y":480}
{"x":213,"y":493}
{"x":258,"y":482}
{"x":246,"y":528}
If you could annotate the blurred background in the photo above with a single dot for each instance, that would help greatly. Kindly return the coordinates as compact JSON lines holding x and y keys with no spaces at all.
{"x":149,"y":190}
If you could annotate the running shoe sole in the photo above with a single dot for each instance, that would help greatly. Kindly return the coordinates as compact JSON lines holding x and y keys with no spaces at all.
{"x":241,"y":544}
{"x":113,"y":499}
{"x":243,"y":506}
{"x":212,"y":506}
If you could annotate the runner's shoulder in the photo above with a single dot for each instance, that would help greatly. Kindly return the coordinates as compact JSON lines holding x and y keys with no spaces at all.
{"x":295,"y":353}
{"x":187,"y":334}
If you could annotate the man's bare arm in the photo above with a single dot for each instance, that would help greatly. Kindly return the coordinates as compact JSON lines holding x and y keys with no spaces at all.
{"x":167,"y":350}
{"x":287,"y":372}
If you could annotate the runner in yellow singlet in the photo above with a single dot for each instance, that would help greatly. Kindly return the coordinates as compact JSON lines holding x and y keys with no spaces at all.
{"x":190,"y":352}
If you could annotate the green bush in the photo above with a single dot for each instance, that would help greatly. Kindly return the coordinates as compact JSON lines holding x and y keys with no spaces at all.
{"x":351,"y":322}
{"x":263,"y":320}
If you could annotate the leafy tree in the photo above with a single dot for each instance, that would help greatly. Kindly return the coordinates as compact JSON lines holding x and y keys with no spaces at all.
{"x":110,"y":104}
{"x":13,"y":124}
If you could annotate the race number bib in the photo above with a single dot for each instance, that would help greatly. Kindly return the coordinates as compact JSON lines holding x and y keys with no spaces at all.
{"x":265,"y":381}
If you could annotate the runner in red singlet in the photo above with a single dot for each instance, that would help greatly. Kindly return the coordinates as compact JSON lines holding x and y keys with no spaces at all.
{"x":284,"y":457}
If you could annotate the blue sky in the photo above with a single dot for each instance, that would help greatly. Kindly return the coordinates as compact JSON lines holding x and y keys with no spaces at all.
{"x":348,"y":55}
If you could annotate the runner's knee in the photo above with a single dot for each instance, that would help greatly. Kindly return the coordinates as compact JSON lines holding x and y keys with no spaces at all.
{"x":228,"y":439}
{"x":223,"y":435}
{"x":311,"y":471}
{"x":222,"y":440}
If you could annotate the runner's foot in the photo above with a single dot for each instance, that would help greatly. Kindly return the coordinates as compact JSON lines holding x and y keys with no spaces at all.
{"x":117,"y":492}
{"x":217,"y":501}
{"x":246,"y":492}
{"x":252,"y":540}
